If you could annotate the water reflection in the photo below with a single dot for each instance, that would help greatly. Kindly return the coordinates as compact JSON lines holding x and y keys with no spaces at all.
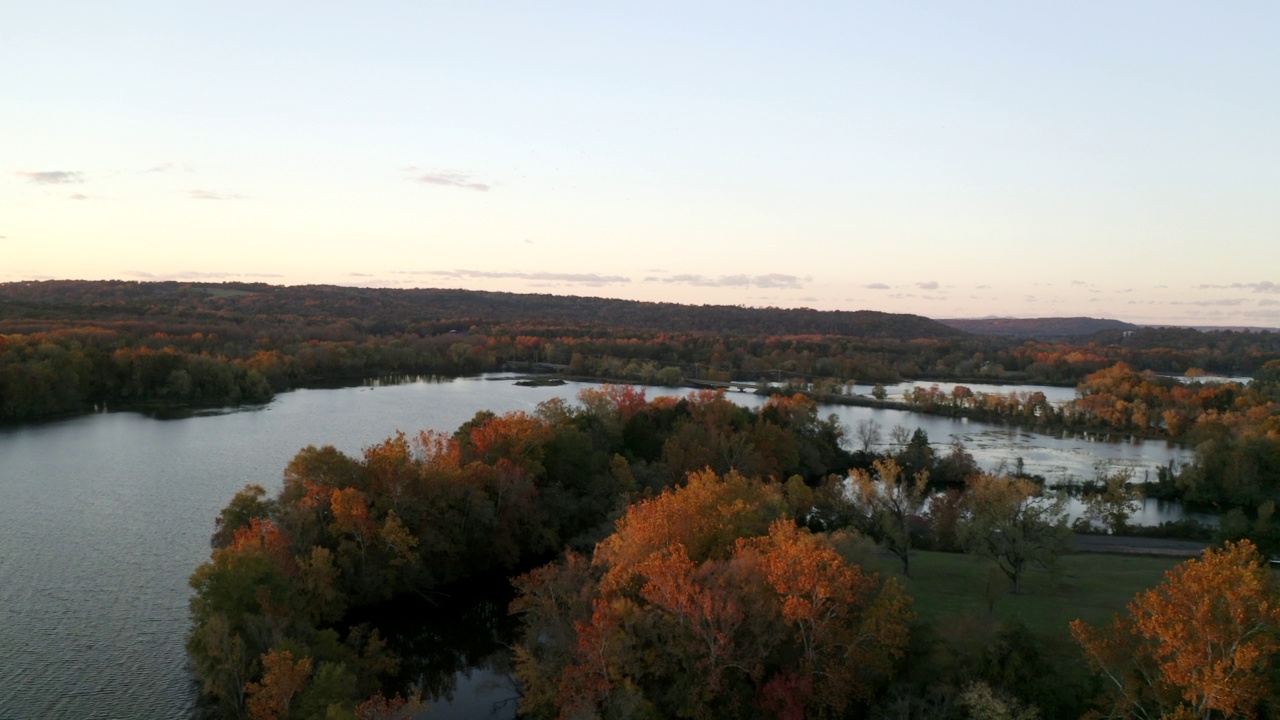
{"x":454,"y":644}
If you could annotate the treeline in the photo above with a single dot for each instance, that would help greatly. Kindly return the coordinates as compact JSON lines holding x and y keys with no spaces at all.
{"x":45,"y":375}
{"x":1042,"y":328}
{"x":1119,"y":400}
{"x":1233,"y":427}
{"x":65,"y":345}
{"x":380,"y":311}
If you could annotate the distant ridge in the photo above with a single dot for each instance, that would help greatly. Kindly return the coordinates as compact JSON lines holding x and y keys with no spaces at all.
{"x":51,"y":304}
{"x":1037,"y":327}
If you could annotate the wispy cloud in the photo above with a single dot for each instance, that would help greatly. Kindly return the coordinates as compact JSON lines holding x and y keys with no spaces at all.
{"x":78,"y":196}
{"x":1272,"y":315}
{"x":451,"y":179}
{"x":771,"y":280}
{"x":52,"y":177}
{"x":197,"y":275}
{"x":778,"y":280}
{"x":169,"y":167}
{"x":876,"y":286}
{"x":1224,"y":302}
{"x":914,"y":296}
{"x":358,"y":274}
{"x":587,"y":278}
{"x":1264,"y":286}
{"x":212,"y":195}
{"x":931,"y":285}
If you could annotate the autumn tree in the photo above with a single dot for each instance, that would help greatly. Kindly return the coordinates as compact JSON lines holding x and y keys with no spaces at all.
{"x":247,"y":505}
{"x":1111,"y":505}
{"x":705,"y":517}
{"x":1200,"y":645}
{"x":847,"y":627}
{"x":1009,"y":521}
{"x":707,"y":602}
{"x":889,"y":500}
{"x":282,"y":679}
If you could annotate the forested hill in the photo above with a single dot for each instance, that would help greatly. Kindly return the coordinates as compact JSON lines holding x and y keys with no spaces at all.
{"x":49,"y":305}
{"x":1037,"y":327}
{"x":72,"y":346}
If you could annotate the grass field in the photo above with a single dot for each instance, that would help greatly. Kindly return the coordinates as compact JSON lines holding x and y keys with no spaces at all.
{"x":1089,"y":586}
{"x":969,"y":626}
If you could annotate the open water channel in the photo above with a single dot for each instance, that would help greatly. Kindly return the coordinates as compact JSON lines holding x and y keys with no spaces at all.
{"x":104,"y":517}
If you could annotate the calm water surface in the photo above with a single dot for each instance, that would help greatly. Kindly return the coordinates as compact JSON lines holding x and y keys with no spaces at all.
{"x":105,"y":516}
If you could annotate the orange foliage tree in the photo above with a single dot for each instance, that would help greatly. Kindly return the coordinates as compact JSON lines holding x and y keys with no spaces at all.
{"x":1199,"y":645}
{"x":707,"y":602}
{"x":283,"y":678}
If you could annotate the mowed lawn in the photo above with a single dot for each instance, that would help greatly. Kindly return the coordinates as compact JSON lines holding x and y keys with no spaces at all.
{"x":1088,"y":586}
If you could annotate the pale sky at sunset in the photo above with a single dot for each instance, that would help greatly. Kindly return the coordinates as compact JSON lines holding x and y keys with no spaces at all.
{"x":953,"y":159}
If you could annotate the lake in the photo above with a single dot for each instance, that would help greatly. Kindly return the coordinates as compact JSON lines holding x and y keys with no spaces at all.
{"x":105,"y":516}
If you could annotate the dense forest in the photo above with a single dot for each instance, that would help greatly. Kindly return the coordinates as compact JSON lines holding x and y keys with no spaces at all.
{"x":706,"y":561}
{"x":1042,"y":328}
{"x":68,"y":347}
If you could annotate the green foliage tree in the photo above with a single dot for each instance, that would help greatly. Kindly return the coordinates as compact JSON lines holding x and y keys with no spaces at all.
{"x":1261,"y":527}
{"x":1009,"y":521}
{"x":1110,"y":506}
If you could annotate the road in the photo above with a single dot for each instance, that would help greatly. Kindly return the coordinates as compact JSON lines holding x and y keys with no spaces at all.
{"x":1138,"y":545}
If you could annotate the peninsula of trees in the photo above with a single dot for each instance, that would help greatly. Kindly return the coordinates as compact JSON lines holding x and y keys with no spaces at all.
{"x":711,"y":561}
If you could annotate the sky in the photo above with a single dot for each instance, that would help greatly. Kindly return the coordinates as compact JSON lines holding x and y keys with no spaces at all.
{"x":1024,"y":159}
